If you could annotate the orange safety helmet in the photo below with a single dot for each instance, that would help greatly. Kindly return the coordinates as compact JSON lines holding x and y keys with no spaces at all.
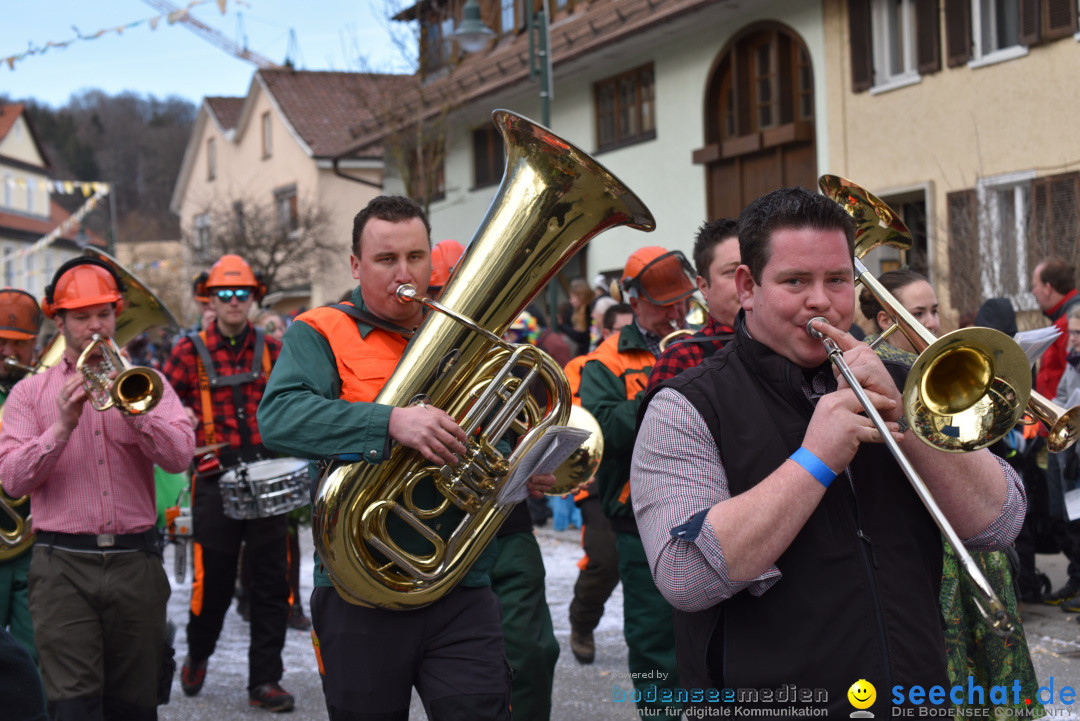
{"x":198,"y":287}
{"x":231,"y":271}
{"x":83,"y":282}
{"x":444,"y":256}
{"x":658,"y":275}
{"x":20,"y":317}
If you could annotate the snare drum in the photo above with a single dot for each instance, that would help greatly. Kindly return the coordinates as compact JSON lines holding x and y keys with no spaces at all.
{"x":265,"y":488}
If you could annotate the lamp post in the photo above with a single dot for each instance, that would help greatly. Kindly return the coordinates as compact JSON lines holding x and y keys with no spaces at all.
{"x":472,"y":34}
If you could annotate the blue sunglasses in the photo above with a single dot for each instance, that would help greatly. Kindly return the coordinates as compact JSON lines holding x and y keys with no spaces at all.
{"x":225,"y":295}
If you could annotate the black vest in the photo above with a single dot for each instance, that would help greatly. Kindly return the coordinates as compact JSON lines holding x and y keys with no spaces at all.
{"x":858,"y":596}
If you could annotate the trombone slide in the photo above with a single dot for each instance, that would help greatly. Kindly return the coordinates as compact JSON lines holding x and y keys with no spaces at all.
{"x":988,"y":603}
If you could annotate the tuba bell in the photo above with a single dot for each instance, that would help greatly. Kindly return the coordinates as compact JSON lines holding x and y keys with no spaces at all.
{"x":552,"y":200}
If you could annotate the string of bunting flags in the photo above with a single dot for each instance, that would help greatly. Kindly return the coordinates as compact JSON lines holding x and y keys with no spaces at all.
{"x":99,"y":190}
{"x":68,"y":187}
{"x":153,"y":22}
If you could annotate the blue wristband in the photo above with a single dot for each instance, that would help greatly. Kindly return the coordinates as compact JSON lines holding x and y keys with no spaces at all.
{"x":814,"y":466}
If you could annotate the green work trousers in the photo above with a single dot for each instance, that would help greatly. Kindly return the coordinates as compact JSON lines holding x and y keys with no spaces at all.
{"x":531,"y":649}
{"x":649,"y":633}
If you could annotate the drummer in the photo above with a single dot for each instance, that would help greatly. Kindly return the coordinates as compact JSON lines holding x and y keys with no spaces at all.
{"x":220,"y":374}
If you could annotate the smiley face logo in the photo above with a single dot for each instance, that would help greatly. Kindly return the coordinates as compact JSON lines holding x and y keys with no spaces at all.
{"x":862,"y":694}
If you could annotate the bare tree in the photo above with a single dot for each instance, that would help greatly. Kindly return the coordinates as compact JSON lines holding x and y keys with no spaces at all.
{"x":286,"y":241}
{"x":416,"y":110}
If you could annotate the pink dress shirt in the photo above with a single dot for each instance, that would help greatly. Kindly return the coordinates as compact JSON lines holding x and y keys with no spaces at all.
{"x":101,"y":479}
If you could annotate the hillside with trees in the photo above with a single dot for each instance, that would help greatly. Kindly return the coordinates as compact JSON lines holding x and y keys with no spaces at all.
{"x":136,"y":143}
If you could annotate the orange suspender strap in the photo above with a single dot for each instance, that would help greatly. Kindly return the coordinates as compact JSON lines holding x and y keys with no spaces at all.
{"x":204,"y":394}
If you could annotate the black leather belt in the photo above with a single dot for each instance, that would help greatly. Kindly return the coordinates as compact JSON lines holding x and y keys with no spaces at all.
{"x":148,"y":540}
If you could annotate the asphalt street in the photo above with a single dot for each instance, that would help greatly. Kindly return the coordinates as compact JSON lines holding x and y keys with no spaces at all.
{"x":580,"y":692}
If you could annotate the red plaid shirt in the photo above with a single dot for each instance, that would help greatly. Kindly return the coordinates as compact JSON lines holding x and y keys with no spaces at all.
{"x":685,"y":353}
{"x":181,"y":370}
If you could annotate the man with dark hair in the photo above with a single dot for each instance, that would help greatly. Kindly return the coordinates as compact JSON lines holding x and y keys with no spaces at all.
{"x":716,"y":256}
{"x":319,"y":404}
{"x":1053,"y":283}
{"x":780,"y":577}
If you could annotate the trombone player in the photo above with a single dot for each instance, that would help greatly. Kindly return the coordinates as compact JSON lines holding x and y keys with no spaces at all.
{"x":20,"y":322}
{"x":97,"y":587}
{"x":790,"y":543}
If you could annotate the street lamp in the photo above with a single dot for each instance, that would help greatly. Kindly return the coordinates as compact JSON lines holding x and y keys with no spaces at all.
{"x":472,"y":34}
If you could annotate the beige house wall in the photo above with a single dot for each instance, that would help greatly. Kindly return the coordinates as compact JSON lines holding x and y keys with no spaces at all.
{"x":952,"y":128}
{"x":244,"y":174}
{"x":18,"y":144}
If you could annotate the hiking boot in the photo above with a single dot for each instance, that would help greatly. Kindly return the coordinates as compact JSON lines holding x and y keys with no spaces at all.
{"x":271,"y":697}
{"x":1071,"y":605}
{"x":192,"y":676}
{"x":582,"y":646}
{"x":298,"y":620}
{"x":1066,"y":592}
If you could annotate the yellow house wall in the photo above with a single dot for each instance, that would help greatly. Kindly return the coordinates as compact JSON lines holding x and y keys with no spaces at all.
{"x":953,"y":127}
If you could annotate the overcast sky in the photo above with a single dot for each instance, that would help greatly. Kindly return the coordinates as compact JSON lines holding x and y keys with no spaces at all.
{"x":172,"y":60}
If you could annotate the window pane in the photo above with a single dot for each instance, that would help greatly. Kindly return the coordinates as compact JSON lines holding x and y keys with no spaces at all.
{"x":648,"y":115}
{"x":508,"y":15}
{"x":628,"y":125}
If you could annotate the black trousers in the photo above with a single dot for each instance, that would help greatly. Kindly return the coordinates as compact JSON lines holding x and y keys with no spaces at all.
{"x":451,"y":652}
{"x":601,"y":575}
{"x":217,"y":540}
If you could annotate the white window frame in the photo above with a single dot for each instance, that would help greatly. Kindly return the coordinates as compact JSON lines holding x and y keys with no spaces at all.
{"x":200,"y":238}
{"x":9,"y":265}
{"x":882,"y":21}
{"x":988,"y":192}
{"x":30,"y":183}
{"x":211,"y":159}
{"x":267,"y":137}
{"x":989,"y":56}
{"x":9,"y":185}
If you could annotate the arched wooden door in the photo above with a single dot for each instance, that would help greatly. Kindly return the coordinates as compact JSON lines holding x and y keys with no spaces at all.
{"x":759,"y":119}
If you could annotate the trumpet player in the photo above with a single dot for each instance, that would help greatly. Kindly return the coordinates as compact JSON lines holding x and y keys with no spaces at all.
{"x":613,"y":381}
{"x":320,"y":404}
{"x":97,"y":587}
{"x":20,"y":321}
{"x":716,"y":256}
{"x":793,"y":548}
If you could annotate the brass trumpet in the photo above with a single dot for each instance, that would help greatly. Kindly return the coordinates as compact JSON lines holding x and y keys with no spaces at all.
{"x":134,"y":390}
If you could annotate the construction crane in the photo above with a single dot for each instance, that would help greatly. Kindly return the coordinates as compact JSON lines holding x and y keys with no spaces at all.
{"x":206,"y":32}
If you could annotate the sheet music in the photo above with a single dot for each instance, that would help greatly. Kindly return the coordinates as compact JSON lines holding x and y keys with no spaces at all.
{"x":555,"y":446}
{"x":1072,"y":504}
{"x":1035,"y":342}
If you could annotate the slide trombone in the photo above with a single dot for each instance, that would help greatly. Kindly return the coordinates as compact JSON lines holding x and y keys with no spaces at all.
{"x":966,"y":389}
{"x":987,"y":601}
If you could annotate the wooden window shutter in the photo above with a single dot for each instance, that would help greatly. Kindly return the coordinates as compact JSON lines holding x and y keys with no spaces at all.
{"x":957,"y":32}
{"x":1029,"y":22}
{"x":928,"y":36}
{"x":1058,"y":19}
{"x":1055,"y":218}
{"x":965,"y":291}
{"x":862,"y":56}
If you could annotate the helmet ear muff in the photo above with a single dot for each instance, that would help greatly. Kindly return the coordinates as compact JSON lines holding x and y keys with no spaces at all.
{"x":260,"y":288}
{"x":48,"y":304}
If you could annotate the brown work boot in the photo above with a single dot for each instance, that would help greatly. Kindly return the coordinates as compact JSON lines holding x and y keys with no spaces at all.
{"x":582,"y":646}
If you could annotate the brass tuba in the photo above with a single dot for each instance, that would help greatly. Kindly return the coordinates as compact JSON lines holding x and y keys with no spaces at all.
{"x":142,"y":310}
{"x":552,"y":200}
